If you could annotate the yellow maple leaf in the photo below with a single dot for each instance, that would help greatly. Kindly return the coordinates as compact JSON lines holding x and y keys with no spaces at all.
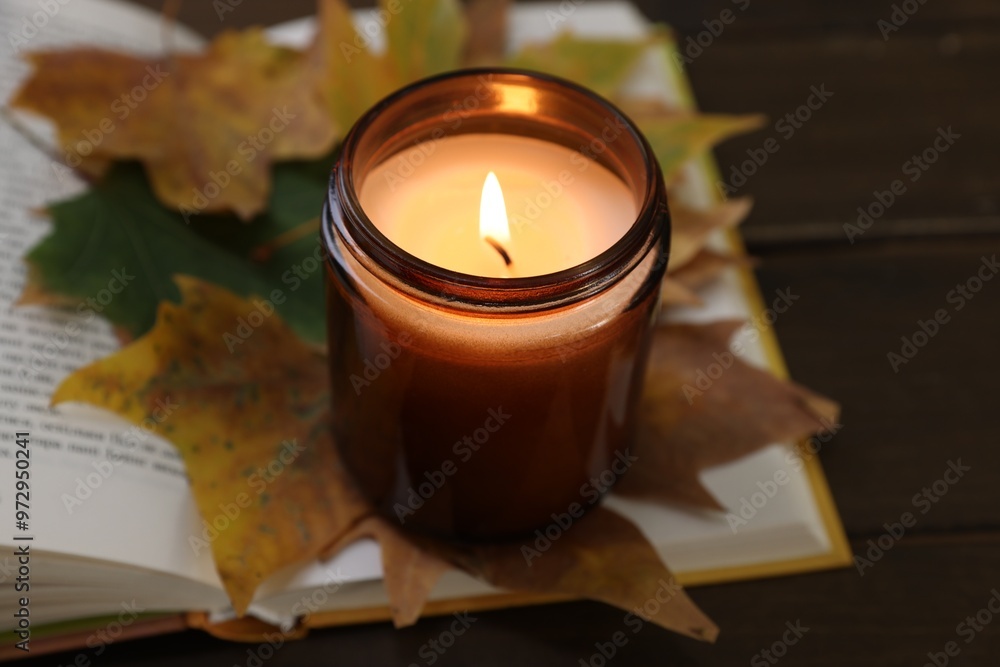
{"x":251,"y":425}
{"x":208,"y":126}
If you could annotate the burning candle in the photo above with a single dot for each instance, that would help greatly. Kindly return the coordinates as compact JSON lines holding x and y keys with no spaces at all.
{"x":487,"y":197}
{"x":496,"y":242}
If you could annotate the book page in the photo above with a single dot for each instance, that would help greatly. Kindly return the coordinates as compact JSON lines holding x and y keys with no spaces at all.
{"x":96,"y":483}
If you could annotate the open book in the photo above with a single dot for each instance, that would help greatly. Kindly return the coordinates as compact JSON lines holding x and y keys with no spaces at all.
{"x":111,"y":516}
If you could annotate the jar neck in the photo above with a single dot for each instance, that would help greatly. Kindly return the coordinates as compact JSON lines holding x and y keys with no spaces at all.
{"x":501,"y":102}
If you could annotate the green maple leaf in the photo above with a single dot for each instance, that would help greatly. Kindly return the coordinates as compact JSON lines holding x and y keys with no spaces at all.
{"x":119,"y":231}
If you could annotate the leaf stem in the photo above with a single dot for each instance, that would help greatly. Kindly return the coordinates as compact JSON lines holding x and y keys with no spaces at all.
{"x":263,"y":252}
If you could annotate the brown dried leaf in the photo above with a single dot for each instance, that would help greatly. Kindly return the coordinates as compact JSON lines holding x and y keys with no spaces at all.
{"x":34,"y":294}
{"x":231,"y":110}
{"x":603,"y":557}
{"x":261,"y":406}
{"x":675,"y":293}
{"x":706,"y":267}
{"x":684,"y":429}
{"x":410,"y":570}
{"x":243,"y":629}
{"x":207,"y":127}
{"x":691,"y":228}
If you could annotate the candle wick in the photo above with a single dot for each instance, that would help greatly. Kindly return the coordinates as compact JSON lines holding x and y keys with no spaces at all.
{"x":500,"y":249}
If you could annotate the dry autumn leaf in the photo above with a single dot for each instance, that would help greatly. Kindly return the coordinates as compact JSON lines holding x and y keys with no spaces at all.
{"x":238,"y":412}
{"x":678,"y":136}
{"x":690,"y":231}
{"x":250,"y":423}
{"x":208,"y":126}
{"x":423,"y":38}
{"x":691,"y":228}
{"x":603,"y":557}
{"x":150,"y":244}
{"x":683,"y":430}
{"x":601,"y":65}
{"x":675,"y":293}
{"x":409,"y":569}
{"x":352,"y":77}
{"x":429,"y":41}
{"x":242,"y":411}
{"x":605,"y":66}
{"x":705,"y":267}
{"x":244,"y":629}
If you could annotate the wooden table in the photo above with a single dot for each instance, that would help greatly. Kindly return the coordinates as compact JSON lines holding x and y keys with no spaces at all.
{"x":901,"y":429}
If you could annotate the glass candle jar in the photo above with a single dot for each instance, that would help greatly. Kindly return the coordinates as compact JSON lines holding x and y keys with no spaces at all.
{"x":480,"y":404}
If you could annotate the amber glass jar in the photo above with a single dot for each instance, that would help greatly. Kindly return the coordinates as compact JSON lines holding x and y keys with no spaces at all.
{"x":476,"y":407}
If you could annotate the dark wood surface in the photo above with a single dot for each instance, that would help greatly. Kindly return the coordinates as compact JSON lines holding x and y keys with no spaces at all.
{"x":901,"y":429}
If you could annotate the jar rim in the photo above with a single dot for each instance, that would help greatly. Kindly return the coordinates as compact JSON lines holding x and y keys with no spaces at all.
{"x":345,"y":216}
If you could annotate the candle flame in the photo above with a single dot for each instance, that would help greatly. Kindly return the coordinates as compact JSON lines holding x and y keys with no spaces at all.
{"x":493,"y":223}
